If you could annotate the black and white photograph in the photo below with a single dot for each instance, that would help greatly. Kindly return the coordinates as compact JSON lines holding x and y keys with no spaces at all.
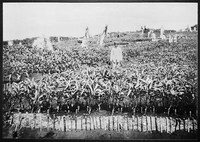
{"x":100,"y":70}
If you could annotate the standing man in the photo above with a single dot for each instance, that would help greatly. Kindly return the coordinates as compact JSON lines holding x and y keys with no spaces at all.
{"x":116,"y":56}
{"x":87,"y":33}
{"x":102,"y":36}
{"x":162,"y":36}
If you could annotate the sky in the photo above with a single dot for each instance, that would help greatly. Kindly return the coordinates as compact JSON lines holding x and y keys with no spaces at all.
{"x":26,"y":20}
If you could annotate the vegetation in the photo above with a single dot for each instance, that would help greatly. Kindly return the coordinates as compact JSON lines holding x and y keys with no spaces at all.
{"x":155,"y":77}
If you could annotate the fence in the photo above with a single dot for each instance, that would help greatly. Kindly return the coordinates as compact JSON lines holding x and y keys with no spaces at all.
{"x":115,"y":122}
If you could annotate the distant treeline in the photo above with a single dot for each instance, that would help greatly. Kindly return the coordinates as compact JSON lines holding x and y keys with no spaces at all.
{"x":53,"y":39}
{"x":29,"y":41}
{"x":61,"y":38}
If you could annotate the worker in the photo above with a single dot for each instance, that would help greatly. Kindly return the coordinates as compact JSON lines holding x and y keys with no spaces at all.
{"x":116,"y":56}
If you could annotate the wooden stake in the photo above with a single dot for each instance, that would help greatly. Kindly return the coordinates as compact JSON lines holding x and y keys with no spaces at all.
{"x":188,"y":124}
{"x":40,"y":121}
{"x":132,"y":123}
{"x":93,"y":122}
{"x":112,"y":123}
{"x":67,"y":123}
{"x":58,"y":119}
{"x":76,"y":123}
{"x":151,"y":123}
{"x":137,"y":123}
{"x":34,"y":120}
{"x":156,"y":123}
{"x":170,"y":125}
{"x":146,"y":124}
{"x":61,"y":123}
{"x":160,"y":125}
{"x":193,"y":124}
{"x":90,"y":123}
{"x":176,"y":124}
{"x":127,"y":124}
{"x":64,"y":122}
{"x":117,"y":123}
{"x":12,"y":119}
{"x":141,"y":124}
{"x":54,"y":122}
{"x":71,"y":124}
{"x":166,"y":124}
{"x":27,"y":119}
{"x":109,"y":123}
{"x":184,"y":124}
{"x":123,"y":123}
{"x":81,"y":124}
{"x":47,"y":122}
{"x":19,"y":116}
{"x":86,"y":123}
{"x":96,"y":122}
{"x":100,"y":122}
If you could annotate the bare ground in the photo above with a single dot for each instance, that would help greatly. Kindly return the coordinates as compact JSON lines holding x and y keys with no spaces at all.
{"x":99,"y":134}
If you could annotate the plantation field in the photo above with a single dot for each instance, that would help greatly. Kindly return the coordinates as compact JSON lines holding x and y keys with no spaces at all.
{"x":155,"y":78}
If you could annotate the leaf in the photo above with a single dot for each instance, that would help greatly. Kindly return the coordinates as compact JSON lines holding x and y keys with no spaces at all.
{"x":169,"y":82}
{"x":129,"y":92}
{"x":173,"y":92}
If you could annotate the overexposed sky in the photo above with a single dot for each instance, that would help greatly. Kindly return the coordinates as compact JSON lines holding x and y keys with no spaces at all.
{"x":25,"y":20}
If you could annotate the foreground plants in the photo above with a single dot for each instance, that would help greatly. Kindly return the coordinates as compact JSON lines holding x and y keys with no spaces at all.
{"x":155,"y":78}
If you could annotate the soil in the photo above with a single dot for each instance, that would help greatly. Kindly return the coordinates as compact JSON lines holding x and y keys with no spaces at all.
{"x":99,"y":134}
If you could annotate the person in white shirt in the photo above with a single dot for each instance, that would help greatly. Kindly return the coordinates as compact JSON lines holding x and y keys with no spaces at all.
{"x":116,"y":56}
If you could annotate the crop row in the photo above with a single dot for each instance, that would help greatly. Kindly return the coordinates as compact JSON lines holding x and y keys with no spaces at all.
{"x":155,"y":77}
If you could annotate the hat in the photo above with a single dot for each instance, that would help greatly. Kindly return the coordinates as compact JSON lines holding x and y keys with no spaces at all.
{"x":116,"y":42}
